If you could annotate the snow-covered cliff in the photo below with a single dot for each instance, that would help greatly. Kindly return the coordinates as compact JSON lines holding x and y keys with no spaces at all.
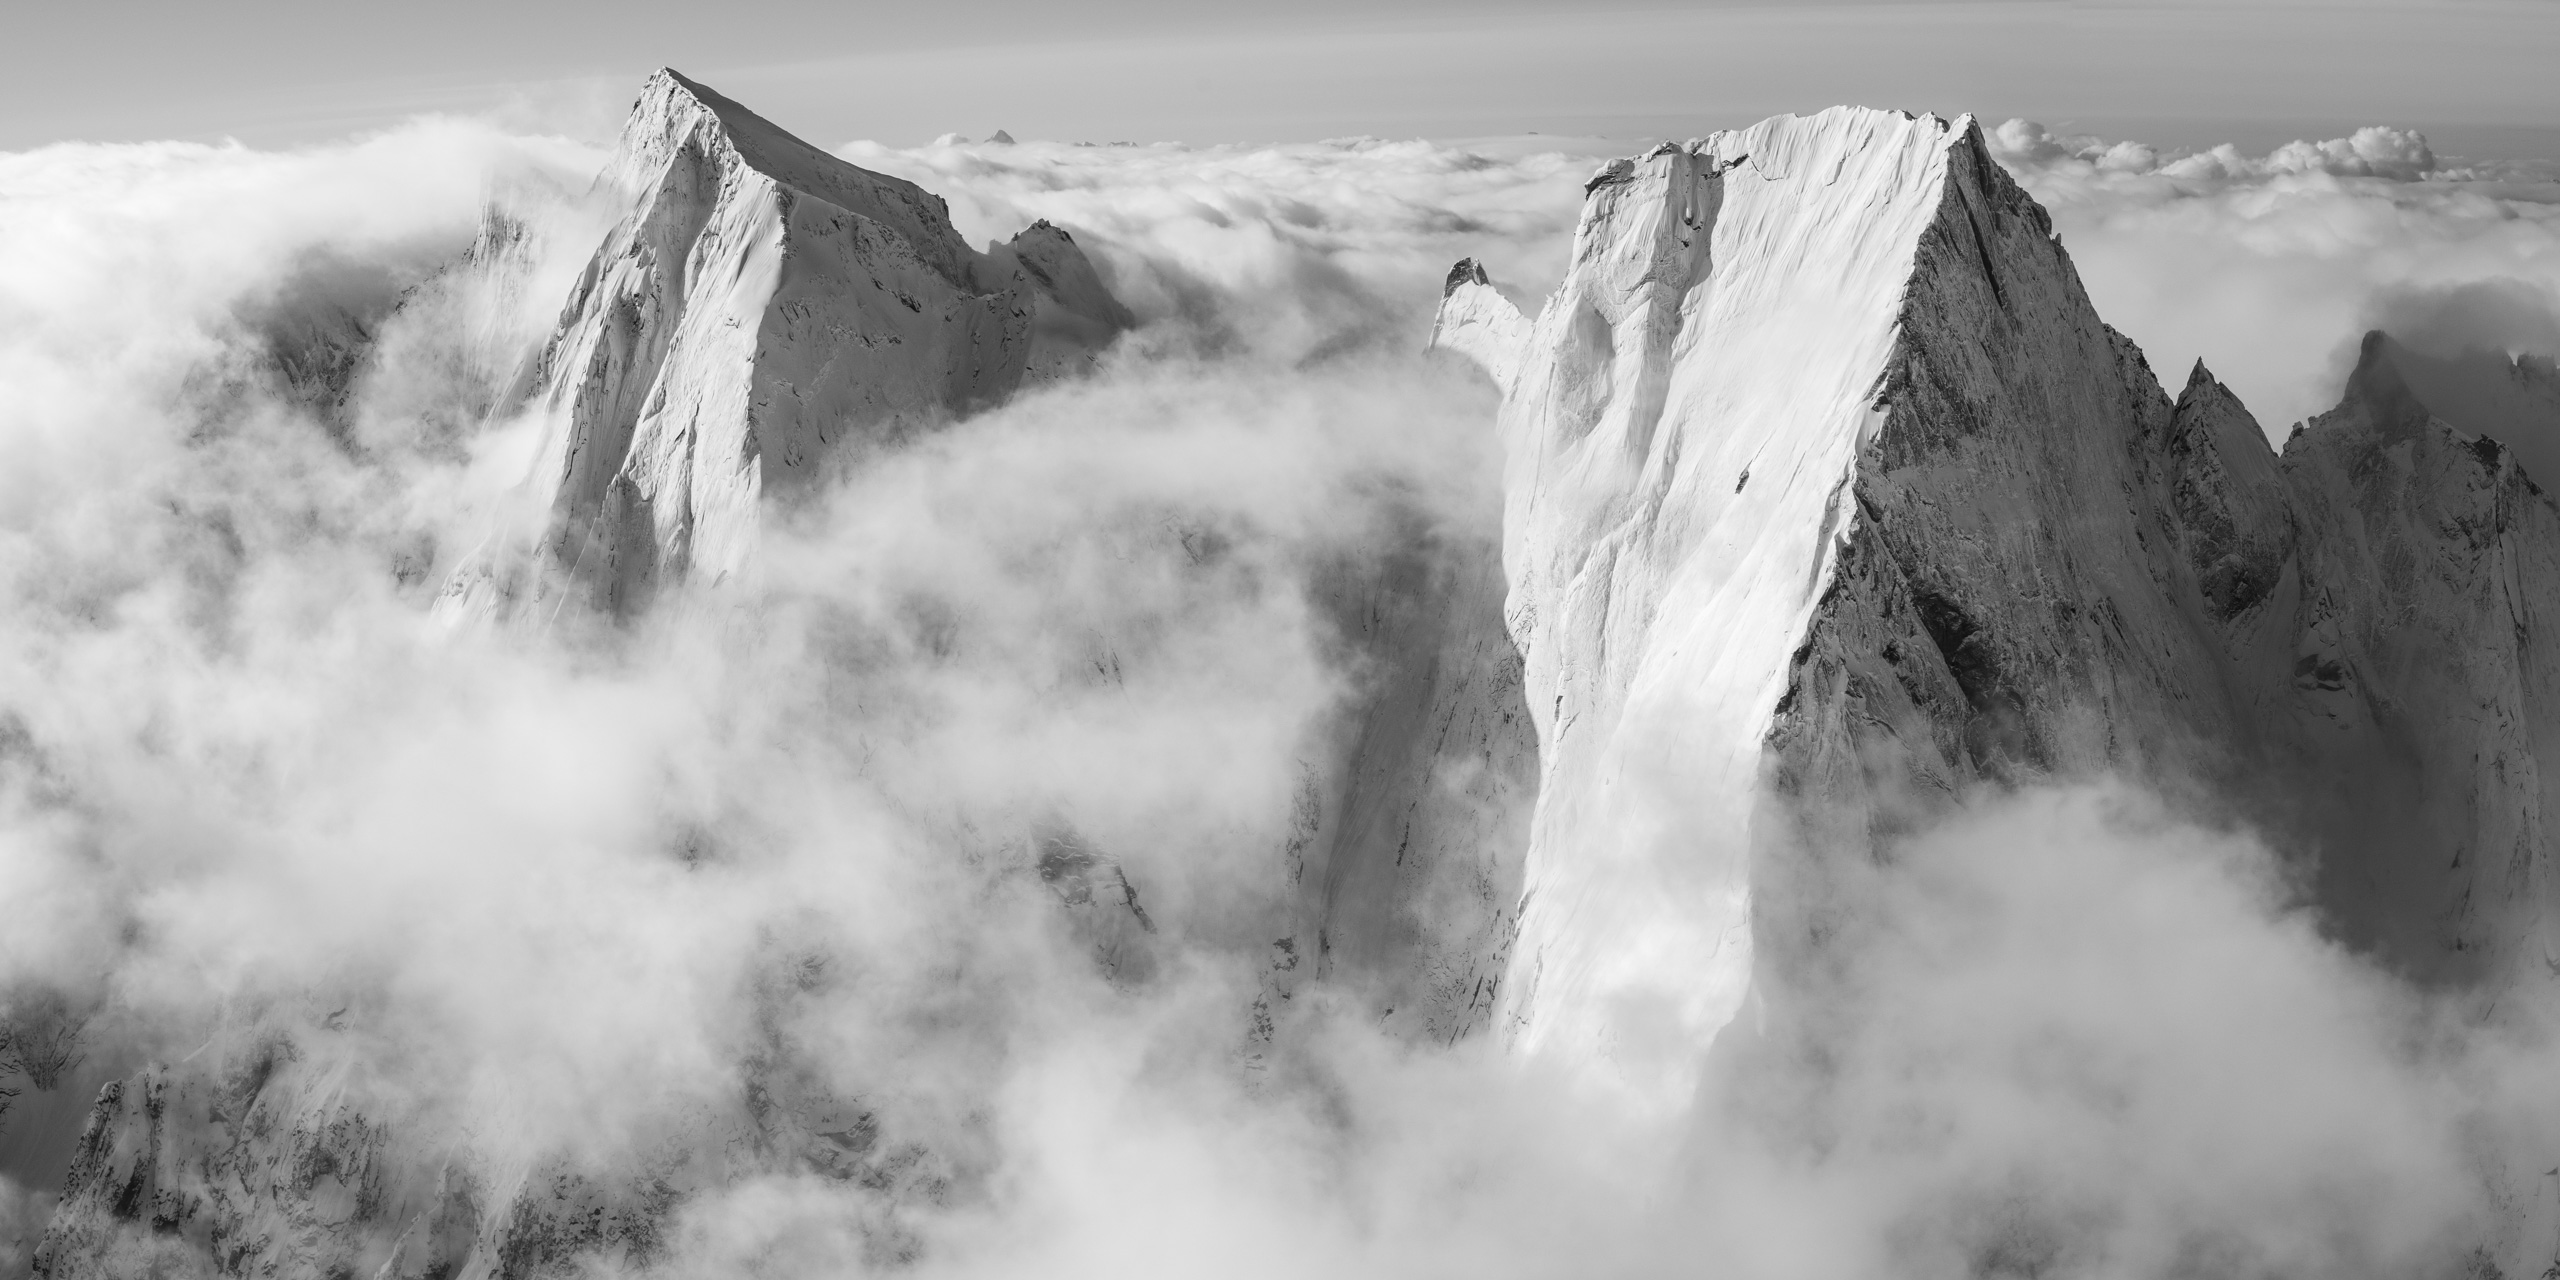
{"x":1679,"y":423}
{"x":1830,"y":495}
{"x":763,"y":313}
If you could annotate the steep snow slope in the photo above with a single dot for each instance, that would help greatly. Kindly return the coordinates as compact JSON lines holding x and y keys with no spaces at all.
{"x":1677,"y":430}
{"x":1830,"y":495}
{"x":762,"y":312}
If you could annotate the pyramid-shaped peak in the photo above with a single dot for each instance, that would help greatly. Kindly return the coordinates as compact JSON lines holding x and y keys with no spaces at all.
{"x":673,"y":108}
{"x":675,"y":112}
{"x":2378,"y":353}
{"x":2203,"y":388}
{"x":2380,"y":384}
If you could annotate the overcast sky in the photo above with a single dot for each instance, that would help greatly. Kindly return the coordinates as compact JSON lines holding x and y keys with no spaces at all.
{"x":2477,"y":73}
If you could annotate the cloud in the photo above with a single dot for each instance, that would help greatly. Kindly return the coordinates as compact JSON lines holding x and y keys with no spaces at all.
{"x":2084,"y":1035}
{"x":2375,"y":151}
{"x":2270,"y":268}
{"x":2500,"y":314}
{"x":560,"y":890}
{"x":2076,"y":1036}
{"x":1289,"y":250}
{"x":582,"y":895}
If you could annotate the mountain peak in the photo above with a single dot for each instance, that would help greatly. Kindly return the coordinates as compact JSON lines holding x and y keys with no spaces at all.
{"x":1684,"y":413}
{"x":2482,"y":393}
{"x":1830,"y":496}
{"x":762,"y":314}
{"x":2379,"y":386}
{"x":675,"y":112}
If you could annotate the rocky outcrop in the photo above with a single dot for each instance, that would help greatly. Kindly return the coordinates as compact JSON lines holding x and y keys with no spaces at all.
{"x":1831,"y":497}
{"x":281,"y":1158}
{"x":167,"y":1180}
{"x":762,"y":315}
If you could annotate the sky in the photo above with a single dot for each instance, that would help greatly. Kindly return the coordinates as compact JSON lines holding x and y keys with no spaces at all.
{"x":2474,"y":73}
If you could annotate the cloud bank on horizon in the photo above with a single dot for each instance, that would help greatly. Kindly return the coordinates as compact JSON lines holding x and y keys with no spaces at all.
{"x":554,"y":890}
{"x":2268,"y":267}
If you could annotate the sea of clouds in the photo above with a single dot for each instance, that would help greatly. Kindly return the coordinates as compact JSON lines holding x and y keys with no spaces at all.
{"x":2271,"y":268}
{"x":556,"y":892}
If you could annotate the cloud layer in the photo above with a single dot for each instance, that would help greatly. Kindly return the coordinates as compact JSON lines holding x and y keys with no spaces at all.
{"x":563,"y":892}
{"x":2270,"y":268}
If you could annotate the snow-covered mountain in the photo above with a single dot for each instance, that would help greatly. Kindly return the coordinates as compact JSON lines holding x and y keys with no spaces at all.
{"x":760,"y":316}
{"x":764,"y":312}
{"x":1830,"y":496}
